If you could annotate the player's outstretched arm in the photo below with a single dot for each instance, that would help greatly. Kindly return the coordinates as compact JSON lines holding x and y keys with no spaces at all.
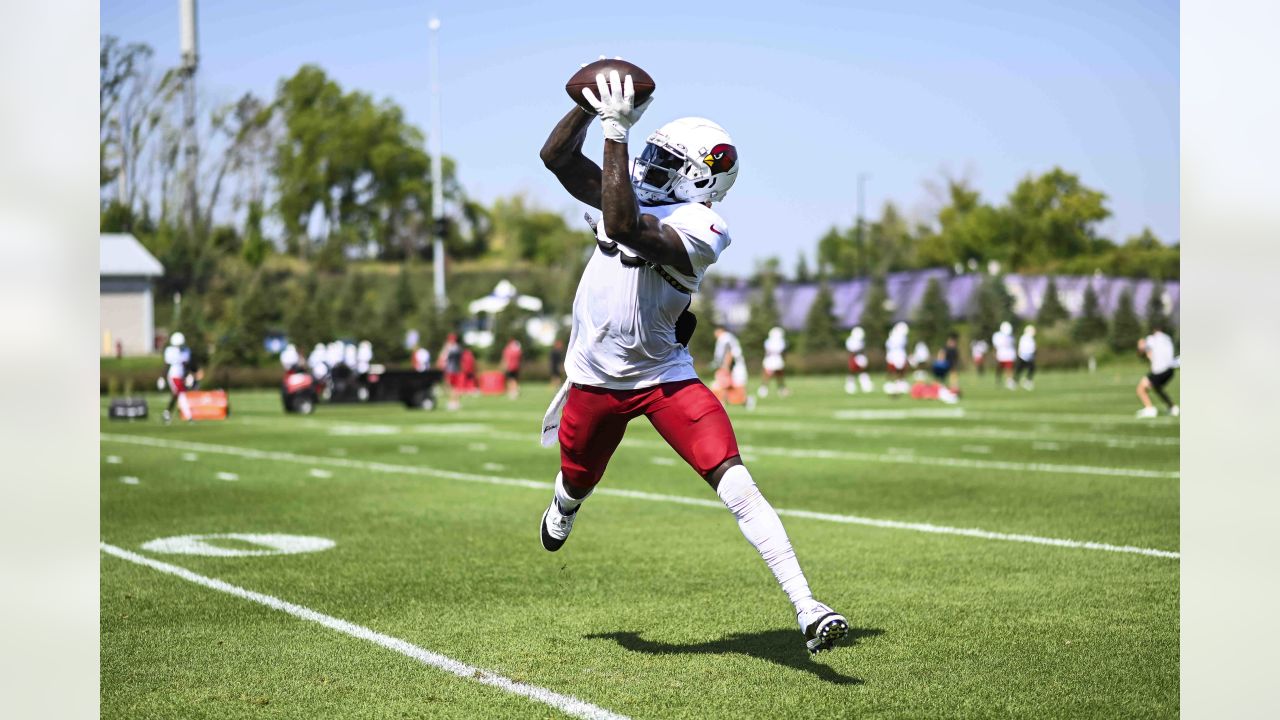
{"x":562,"y":154}
{"x":624,"y":223}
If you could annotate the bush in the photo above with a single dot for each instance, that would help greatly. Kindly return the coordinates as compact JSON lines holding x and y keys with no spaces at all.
{"x":933,"y":316}
{"x":1125,"y":327}
{"x":1090,"y":325}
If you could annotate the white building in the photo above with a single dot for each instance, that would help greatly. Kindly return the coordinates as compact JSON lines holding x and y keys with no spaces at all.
{"x":126,"y":271}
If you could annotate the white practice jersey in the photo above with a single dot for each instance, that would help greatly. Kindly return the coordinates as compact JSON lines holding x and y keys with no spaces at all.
{"x":895,"y":350}
{"x":624,"y":317}
{"x":177,"y":362}
{"x":727,"y":343}
{"x":1027,"y":348}
{"x":979,"y":348}
{"x":774,"y":347}
{"x":855,"y":346}
{"x":1160,"y":352}
{"x":1003,"y":343}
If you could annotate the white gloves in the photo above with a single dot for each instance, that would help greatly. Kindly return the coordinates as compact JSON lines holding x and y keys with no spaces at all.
{"x":615,"y":105}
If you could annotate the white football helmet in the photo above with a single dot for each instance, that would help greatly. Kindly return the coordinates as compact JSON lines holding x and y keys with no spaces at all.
{"x":857,"y":334}
{"x":1029,"y":330}
{"x":1006,"y":328}
{"x":177,"y":339}
{"x":776,"y":332}
{"x":687,"y":160}
{"x":900,"y":329}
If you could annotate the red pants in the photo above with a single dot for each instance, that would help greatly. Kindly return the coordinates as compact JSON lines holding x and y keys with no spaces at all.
{"x":685,"y":414}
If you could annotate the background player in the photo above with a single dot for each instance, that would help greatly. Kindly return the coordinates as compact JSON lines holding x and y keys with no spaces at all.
{"x":730,"y":384}
{"x":1157,"y":348}
{"x":978,"y":351}
{"x":624,"y":357}
{"x":1002,"y":341}
{"x":857,"y":377}
{"x":895,"y":359}
{"x":176,"y":357}
{"x":1027,"y":358}
{"x":774,"y":365}
{"x":512,"y":357}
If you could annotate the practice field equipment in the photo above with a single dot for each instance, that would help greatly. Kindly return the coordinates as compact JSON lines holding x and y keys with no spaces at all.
{"x":207,"y":405}
{"x":127,"y":409}
{"x":298,"y":393}
{"x":493,"y":383}
{"x":586,"y":78}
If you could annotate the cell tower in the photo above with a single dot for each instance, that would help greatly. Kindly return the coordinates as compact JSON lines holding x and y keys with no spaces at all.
{"x":190,"y":59}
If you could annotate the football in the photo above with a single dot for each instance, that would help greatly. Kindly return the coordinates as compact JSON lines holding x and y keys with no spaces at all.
{"x":586,"y":78}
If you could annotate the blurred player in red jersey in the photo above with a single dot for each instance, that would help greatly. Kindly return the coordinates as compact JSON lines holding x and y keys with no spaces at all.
{"x":512,"y":356}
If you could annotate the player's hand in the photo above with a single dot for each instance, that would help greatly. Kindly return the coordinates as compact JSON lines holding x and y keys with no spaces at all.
{"x":615,"y":105}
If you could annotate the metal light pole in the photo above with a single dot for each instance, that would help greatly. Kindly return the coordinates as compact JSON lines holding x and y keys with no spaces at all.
{"x":190,"y":60}
{"x":437,"y":171}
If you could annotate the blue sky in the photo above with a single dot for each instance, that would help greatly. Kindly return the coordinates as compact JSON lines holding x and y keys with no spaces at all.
{"x":813,"y":93}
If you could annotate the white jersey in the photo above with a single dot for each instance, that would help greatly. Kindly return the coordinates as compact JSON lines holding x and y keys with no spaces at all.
{"x":728,"y":343}
{"x":979,"y":348}
{"x":1003,"y":343}
{"x":855,"y":346}
{"x":624,"y":317}
{"x":774,"y":347}
{"x":920,"y":354}
{"x":1160,"y":352}
{"x":895,"y":350}
{"x":289,"y":357}
{"x":1027,"y":348}
{"x":177,"y":362}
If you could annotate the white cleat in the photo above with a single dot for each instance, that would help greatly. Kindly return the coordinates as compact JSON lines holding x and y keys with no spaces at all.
{"x":865,"y":381}
{"x":1174,"y":411}
{"x":556,"y":526}
{"x":1148,"y":412}
{"x":763,"y":391}
{"x":821,"y":626}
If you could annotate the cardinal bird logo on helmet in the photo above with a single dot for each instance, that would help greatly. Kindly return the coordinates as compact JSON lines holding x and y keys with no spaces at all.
{"x":722,"y":158}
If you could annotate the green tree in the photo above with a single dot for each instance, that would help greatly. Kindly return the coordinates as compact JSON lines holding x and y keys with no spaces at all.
{"x":355,"y":310}
{"x":838,"y":254}
{"x":876,"y":315}
{"x":802,"y":269}
{"x":1156,"y":315}
{"x":1051,"y":310}
{"x":1090,"y":325}
{"x":255,"y":312}
{"x":820,"y":329}
{"x":992,"y":305}
{"x":764,"y":315}
{"x":308,"y":316}
{"x":1125,"y":327}
{"x":256,"y":247}
{"x":1052,"y":216}
{"x":933,"y":316}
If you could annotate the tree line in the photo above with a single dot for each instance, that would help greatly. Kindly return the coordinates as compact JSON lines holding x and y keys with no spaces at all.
{"x":314,"y":211}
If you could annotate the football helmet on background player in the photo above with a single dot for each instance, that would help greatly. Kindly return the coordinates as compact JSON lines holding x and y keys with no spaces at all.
{"x":687,"y":160}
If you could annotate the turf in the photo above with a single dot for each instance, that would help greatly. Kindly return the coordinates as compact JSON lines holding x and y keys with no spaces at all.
{"x":654,"y":608}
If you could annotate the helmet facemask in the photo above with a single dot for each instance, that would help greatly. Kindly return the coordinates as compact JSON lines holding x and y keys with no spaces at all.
{"x":687,"y":160}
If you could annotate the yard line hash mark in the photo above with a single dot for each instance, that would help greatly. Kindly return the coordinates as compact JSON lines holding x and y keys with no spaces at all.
{"x":618,"y":492}
{"x":567,"y":704}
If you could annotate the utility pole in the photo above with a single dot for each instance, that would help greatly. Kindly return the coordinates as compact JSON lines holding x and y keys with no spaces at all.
{"x":190,"y":61}
{"x":437,"y":172}
{"x":862,"y":256}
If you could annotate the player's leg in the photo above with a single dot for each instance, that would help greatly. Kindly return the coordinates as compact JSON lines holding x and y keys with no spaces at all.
{"x":1148,"y":410}
{"x":1158,"y":384}
{"x":591,"y":426}
{"x":697,"y":427}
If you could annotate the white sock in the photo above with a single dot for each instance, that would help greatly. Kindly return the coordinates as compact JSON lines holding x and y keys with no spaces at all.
{"x":763,"y":529}
{"x":567,"y":502}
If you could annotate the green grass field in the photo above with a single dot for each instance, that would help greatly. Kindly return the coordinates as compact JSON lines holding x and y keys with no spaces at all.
{"x":655,"y":608}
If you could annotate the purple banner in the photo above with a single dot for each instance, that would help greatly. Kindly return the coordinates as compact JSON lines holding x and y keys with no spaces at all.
{"x":906,"y":289}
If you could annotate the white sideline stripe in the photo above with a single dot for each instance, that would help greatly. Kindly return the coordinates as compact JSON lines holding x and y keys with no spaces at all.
{"x":618,"y":492}
{"x":891,"y":455}
{"x":567,"y":704}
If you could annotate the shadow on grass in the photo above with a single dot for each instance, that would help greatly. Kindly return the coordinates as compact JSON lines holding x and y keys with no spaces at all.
{"x":782,"y":647}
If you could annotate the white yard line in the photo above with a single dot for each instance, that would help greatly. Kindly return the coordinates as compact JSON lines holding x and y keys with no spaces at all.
{"x":539,"y":485}
{"x":229,"y":476}
{"x":566,"y":704}
{"x":988,"y":433}
{"x":891,"y":456}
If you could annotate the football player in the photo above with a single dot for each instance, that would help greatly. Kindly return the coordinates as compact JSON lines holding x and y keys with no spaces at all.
{"x":730,"y":384}
{"x":895,"y":359}
{"x":858,"y":377}
{"x":625,"y":359}
{"x":1026,"y":358}
{"x":774,"y":365}
{"x":1157,"y":348}
{"x":176,"y":356}
{"x":1002,"y":341}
